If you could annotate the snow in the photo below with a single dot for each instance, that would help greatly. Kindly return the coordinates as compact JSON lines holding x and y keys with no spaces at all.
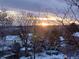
{"x":2,"y":42}
{"x":62,"y":43}
{"x":7,"y":48}
{"x":10,"y":37}
{"x":30,"y":34}
{"x":76,"y":34}
{"x":29,"y":38}
{"x":2,"y":58}
{"x":61,"y":38}
{"x":23,"y":49}
{"x":45,"y":56}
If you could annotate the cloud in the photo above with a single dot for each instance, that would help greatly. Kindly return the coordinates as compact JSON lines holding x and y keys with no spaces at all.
{"x":35,"y":5}
{"x":54,"y":6}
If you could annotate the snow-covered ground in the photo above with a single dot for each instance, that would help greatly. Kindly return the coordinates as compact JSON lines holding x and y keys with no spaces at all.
{"x":50,"y":57}
{"x":45,"y":56}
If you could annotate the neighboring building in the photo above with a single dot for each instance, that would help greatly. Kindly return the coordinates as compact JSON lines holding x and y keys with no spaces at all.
{"x":11,"y":38}
{"x":76,"y":36}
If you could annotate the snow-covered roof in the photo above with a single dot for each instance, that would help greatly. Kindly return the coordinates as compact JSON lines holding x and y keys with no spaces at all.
{"x":23,"y":49}
{"x":61,"y":38}
{"x":76,"y":34}
{"x":11,"y":37}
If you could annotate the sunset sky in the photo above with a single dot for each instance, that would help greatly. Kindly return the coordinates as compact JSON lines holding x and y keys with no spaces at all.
{"x":35,"y":5}
{"x":58,"y":7}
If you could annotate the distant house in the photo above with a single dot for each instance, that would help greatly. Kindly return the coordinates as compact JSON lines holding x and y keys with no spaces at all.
{"x":76,"y":36}
{"x":11,"y":38}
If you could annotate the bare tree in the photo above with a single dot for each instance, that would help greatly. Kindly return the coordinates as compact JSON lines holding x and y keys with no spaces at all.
{"x":5,"y":20}
{"x":71,"y":41}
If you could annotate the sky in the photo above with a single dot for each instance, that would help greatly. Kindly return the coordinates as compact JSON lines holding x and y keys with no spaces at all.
{"x":35,"y":5}
{"x":58,"y":7}
{"x":54,"y":6}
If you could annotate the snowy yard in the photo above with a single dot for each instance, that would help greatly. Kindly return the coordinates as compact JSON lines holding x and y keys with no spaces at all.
{"x":45,"y":56}
{"x":50,"y":57}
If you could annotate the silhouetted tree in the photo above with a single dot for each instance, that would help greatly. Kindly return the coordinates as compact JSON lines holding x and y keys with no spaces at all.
{"x":54,"y":38}
{"x":73,"y":28}
{"x":5,"y":20}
